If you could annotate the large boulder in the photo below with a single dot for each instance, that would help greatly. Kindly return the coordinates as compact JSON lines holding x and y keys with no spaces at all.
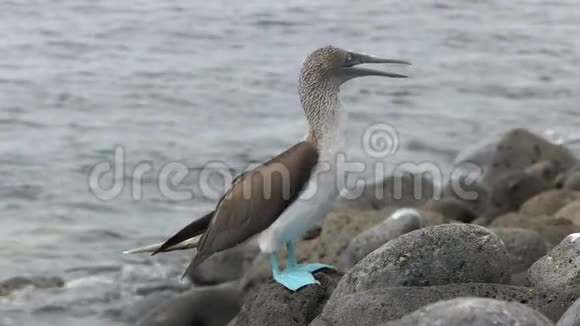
{"x":431,"y":256}
{"x":273,"y":304}
{"x":473,"y":312}
{"x":552,"y":229}
{"x":374,"y":306}
{"x":400,"y":222}
{"x":510,"y":190}
{"x":211,"y":306}
{"x":549,"y":202}
{"x":398,"y":190}
{"x":519,"y":149}
{"x":524,"y":247}
{"x":560,"y":268}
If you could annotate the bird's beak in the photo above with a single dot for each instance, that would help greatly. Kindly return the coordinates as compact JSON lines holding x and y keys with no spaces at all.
{"x":349,"y":71}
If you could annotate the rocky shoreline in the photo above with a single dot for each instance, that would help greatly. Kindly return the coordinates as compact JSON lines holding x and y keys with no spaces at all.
{"x":511,"y":256}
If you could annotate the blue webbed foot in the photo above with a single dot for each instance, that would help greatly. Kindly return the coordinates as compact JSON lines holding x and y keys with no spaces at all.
{"x":294,"y":279}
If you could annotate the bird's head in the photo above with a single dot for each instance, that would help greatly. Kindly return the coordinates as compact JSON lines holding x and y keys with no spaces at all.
{"x":334,"y":66}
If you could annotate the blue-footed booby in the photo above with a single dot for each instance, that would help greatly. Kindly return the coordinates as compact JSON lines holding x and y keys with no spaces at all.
{"x":283,"y":198}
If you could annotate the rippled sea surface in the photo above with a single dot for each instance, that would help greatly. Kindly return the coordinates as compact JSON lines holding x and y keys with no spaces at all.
{"x":194,"y":81}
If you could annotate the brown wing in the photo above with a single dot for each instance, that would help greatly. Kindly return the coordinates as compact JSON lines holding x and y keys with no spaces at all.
{"x":193,"y":229}
{"x":256,"y":200}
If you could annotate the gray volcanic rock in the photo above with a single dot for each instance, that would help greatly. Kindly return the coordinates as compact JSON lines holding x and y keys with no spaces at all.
{"x":225,"y":266}
{"x":400,"y":222}
{"x":560,"y":268}
{"x":524,"y":247}
{"x":211,"y":306}
{"x":552,"y":229}
{"x":443,"y":254}
{"x":548,"y":202}
{"x":17,"y":283}
{"x":451,"y":208}
{"x":372,"y":307}
{"x":273,"y":304}
{"x":519,"y":149}
{"x":572,"y":316}
{"x":473,"y":312}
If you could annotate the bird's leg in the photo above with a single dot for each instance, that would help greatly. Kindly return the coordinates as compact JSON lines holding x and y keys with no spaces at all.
{"x":311,"y":268}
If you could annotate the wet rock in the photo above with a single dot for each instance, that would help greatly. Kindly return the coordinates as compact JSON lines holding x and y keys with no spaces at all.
{"x":338,"y":229}
{"x":400,"y":222}
{"x":572,"y":316}
{"x":473,"y":311}
{"x":560,"y":268}
{"x":211,"y":306}
{"x":511,"y":190}
{"x":524,"y":247}
{"x":519,"y":149}
{"x":132,"y":313}
{"x":17,"y":283}
{"x":570,"y":212}
{"x":374,"y":306}
{"x":552,"y":229}
{"x":450,"y":208}
{"x":225,"y":266}
{"x":548,"y":202}
{"x":431,"y":256}
{"x":273,"y":304}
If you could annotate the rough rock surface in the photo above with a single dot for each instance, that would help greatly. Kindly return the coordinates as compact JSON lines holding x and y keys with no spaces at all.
{"x":431,"y":256}
{"x":519,"y":149}
{"x":451,"y":208}
{"x":17,"y":283}
{"x":225,"y":266}
{"x":473,"y":312}
{"x":552,"y":229}
{"x":378,"y":305}
{"x":572,"y":316}
{"x":524,"y":247}
{"x":338,"y":230}
{"x":400,"y":222}
{"x":272,"y":304}
{"x":560,"y":268}
{"x":548,"y":202}
{"x":468,"y":190}
{"x":211,"y":306}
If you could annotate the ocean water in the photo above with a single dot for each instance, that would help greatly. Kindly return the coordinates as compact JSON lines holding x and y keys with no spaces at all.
{"x":188,"y":83}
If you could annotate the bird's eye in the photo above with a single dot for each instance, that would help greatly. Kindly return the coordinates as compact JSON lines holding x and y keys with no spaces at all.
{"x":348,"y":57}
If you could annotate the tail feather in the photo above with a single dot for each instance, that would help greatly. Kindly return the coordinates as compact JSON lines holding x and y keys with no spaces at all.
{"x":193,"y":229}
